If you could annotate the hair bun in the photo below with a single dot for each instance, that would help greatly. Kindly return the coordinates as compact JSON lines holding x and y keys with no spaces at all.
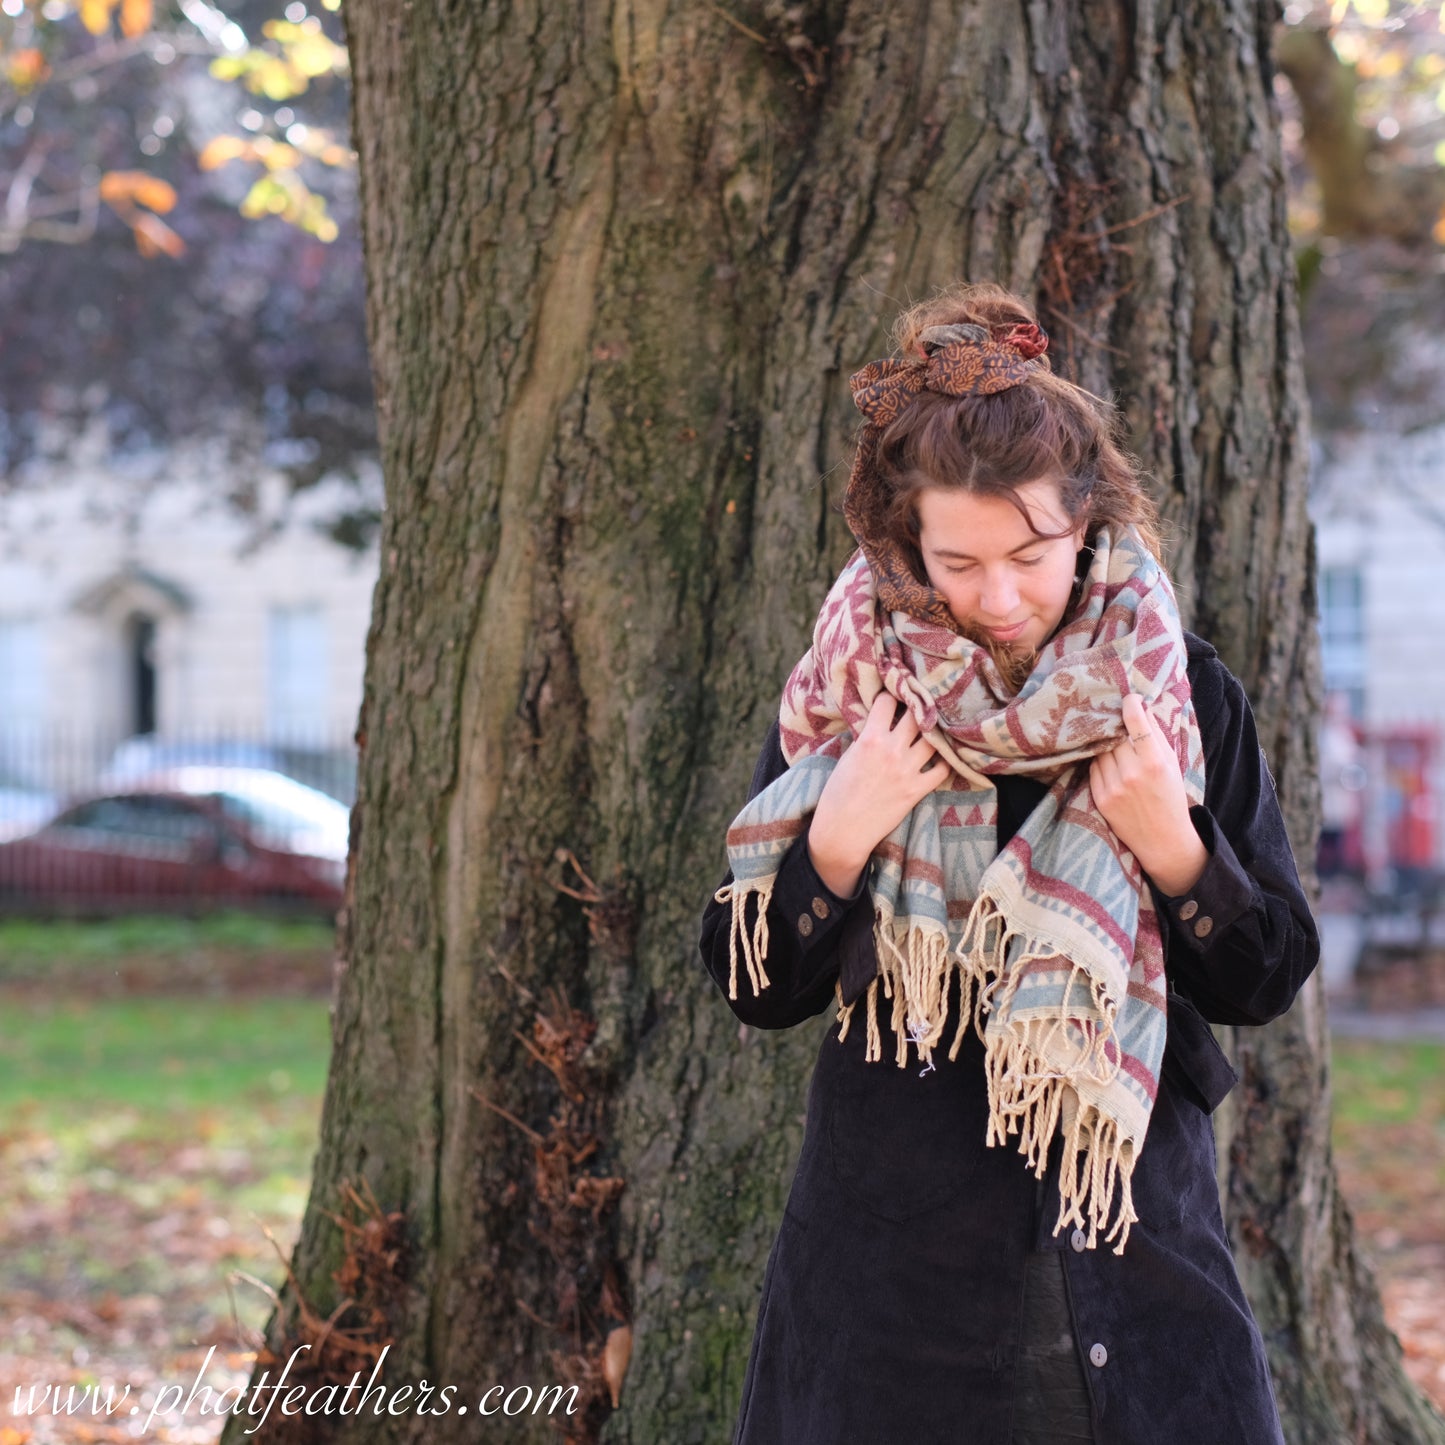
{"x":935,"y":338}
{"x":1028,"y":340}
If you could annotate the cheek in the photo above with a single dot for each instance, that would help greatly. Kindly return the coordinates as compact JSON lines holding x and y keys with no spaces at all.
{"x":1052,"y":592}
{"x":959,"y":596}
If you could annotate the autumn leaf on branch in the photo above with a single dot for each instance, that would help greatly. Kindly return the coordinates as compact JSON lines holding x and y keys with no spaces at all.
{"x":126,"y":193}
{"x":98,"y":16}
{"x":95,"y":15}
{"x":51,"y":59}
{"x":135,"y":17}
{"x":25,"y":69}
{"x":300,"y":53}
{"x":281,"y":191}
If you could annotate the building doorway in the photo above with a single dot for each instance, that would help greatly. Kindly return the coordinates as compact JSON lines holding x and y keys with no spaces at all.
{"x":140,"y":653}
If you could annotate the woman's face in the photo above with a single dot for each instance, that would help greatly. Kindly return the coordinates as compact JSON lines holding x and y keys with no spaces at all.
{"x":997,"y":575}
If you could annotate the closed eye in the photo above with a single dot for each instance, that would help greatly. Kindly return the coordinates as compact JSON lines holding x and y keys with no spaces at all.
{"x":958,"y":568}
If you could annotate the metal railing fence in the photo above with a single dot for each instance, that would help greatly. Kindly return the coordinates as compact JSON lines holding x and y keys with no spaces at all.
{"x":93,"y":823}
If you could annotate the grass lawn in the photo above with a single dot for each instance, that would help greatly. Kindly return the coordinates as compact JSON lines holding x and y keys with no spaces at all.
{"x":164,"y":1058}
{"x":149,"y":1142}
{"x":1389,"y":1137}
{"x":1378,"y":1084}
{"x":223,"y":953}
{"x":29,"y":945}
{"x":155,"y":1124}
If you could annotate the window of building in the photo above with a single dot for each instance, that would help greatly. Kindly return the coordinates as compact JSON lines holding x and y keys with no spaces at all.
{"x":22,"y":672}
{"x":297,"y":676}
{"x":1342,"y":634}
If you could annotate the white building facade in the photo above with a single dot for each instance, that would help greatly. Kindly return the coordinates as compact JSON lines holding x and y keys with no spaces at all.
{"x":1378,"y":503}
{"x":137,"y":599}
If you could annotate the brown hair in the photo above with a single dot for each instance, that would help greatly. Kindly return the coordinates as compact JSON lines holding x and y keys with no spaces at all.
{"x":1041,"y":428}
{"x":1044,"y":427}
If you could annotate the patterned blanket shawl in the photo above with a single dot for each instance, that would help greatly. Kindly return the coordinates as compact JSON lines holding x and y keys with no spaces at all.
{"x":1053,"y":940}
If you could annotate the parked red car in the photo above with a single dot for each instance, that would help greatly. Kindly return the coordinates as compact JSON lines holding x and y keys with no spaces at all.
{"x":199,"y":836}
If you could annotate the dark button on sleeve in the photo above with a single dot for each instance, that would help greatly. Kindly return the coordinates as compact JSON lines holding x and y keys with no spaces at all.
{"x":801,"y":896}
{"x":1222,"y":895}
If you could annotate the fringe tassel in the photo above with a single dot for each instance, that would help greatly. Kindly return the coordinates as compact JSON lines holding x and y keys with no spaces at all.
{"x":1087,"y":1194}
{"x":1027,"y":1097}
{"x":754,"y":946}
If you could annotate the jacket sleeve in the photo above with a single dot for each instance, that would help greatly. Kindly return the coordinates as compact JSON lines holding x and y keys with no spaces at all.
{"x":1242,"y":941}
{"x":806,"y":923}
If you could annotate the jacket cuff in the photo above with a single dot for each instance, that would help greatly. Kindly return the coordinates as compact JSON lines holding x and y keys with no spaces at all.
{"x":804,"y":902}
{"x":1223,"y":894}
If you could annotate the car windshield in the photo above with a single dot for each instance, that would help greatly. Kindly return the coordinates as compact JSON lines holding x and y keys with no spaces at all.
{"x":275,"y":810}
{"x":273,"y":806}
{"x":269,"y":814}
{"x":168,"y":819}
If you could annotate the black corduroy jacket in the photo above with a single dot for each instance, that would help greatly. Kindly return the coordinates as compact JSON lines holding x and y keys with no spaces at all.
{"x":892,"y":1299}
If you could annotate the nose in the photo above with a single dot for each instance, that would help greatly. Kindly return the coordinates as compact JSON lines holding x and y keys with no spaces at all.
{"x":999,"y":599}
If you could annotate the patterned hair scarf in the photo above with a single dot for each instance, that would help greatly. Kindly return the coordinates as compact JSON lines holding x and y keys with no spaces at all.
{"x":1054,"y":941}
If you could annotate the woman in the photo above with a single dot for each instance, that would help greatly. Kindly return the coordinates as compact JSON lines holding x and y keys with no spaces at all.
{"x":1018,"y":820}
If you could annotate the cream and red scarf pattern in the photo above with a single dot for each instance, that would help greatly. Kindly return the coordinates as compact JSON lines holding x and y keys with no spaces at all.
{"x":1053,"y":941}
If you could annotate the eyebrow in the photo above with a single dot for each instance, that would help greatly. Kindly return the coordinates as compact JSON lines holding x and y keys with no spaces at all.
{"x":969,"y":557}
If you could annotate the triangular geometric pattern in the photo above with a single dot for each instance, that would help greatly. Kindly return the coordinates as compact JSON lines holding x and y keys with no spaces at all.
{"x":1053,"y":941}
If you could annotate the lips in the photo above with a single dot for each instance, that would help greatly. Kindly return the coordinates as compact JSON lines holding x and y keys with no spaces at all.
{"x":1007,"y":634}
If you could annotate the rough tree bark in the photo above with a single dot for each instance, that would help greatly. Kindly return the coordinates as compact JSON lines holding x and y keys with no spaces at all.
{"x":621,"y":261}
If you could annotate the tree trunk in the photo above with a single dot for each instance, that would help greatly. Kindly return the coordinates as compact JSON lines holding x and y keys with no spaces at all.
{"x":621,"y":262}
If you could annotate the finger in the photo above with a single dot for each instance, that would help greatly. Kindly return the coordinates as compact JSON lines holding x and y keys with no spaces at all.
{"x":905,"y":725}
{"x":1135,"y":717}
{"x":933,"y":774}
{"x":880,"y":712}
{"x":1167,"y":744}
{"x":1104,"y":773}
{"x":1098,"y":783}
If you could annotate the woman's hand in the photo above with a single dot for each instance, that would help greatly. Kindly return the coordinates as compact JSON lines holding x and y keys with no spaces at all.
{"x":1139,"y":789}
{"x":886,"y":770}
